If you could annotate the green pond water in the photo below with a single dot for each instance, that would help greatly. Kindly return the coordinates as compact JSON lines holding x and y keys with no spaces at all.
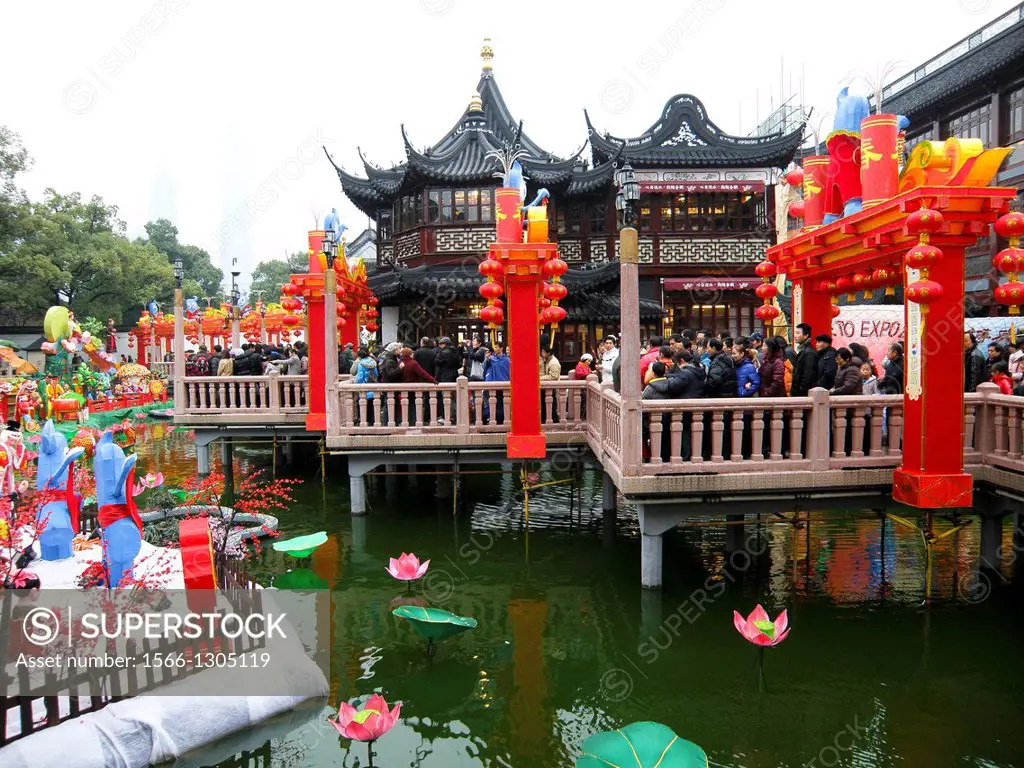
{"x":568,"y":643}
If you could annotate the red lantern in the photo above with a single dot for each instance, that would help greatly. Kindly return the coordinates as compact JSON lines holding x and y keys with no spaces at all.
{"x":373,"y":301}
{"x":493,"y":315}
{"x":543,"y":303}
{"x":340,"y":293}
{"x":340,"y":323}
{"x":555,"y":291}
{"x":821,"y":286}
{"x":835,"y":311}
{"x":796,"y":209}
{"x":845,"y":285}
{"x":289,"y":289}
{"x":1010,"y":225}
{"x":924,"y":292}
{"x":880,"y":278}
{"x":371,"y":327}
{"x":922,"y":256}
{"x":766,"y":269}
{"x":555,"y":267}
{"x":795,"y":177}
{"x":766,"y":291}
{"x":545,"y":316}
{"x":1009,"y":260}
{"x":862,"y":282}
{"x":340,"y":307}
{"x":491,"y":290}
{"x":924,"y":221}
{"x":371,"y":313}
{"x":499,"y":304}
{"x":767,"y":313}
{"x":1010,"y":294}
{"x":489,"y":268}
{"x":291,"y":320}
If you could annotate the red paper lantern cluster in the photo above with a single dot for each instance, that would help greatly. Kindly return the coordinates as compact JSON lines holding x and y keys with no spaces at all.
{"x":1010,"y":260}
{"x":923,"y":222}
{"x":553,"y":292}
{"x":492,"y":290}
{"x":795,"y":178}
{"x":767,"y":292}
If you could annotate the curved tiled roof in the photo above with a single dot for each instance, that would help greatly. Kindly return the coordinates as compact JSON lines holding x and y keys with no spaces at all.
{"x":684,"y":137}
{"x":1003,"y":54}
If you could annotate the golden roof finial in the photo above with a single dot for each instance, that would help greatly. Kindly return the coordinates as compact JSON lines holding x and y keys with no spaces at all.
{"x":487,"y":55}
{"x":476,"y":104}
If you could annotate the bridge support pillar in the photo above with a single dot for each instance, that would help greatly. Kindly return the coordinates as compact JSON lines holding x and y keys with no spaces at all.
{"x":991,"y":540}
{"x":228,"y":468}
{"x":608,"y":495}
{"x":650,"y":560}
{"x":443,"y":484}
{"x":357,"y":494}
{"x":359,"y":534}
{"x":203,"y":459}
{"x":288,"y":451}
{"x":734,"y":532}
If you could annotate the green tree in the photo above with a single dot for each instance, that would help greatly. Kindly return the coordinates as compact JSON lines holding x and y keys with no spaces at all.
{"x":269,"y":276}
{"x":202,"y":278}
{"x":14,"y":159}
{"x":74,"y":252}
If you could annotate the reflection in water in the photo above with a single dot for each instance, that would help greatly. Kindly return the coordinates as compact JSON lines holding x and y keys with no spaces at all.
{"x":568,"y":643}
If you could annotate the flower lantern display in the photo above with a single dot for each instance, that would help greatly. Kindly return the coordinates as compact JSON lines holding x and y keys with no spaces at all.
{"x":1010,"y":260}
{"x":922,"y":223}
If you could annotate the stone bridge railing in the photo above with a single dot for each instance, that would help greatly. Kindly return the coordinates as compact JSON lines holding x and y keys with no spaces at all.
{"x":165,"y":368}
{"x":269,"y":399}
{"x":463,"y":414}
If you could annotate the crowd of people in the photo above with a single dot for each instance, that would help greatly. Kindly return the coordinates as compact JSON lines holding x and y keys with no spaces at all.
{"x":248,"y":360}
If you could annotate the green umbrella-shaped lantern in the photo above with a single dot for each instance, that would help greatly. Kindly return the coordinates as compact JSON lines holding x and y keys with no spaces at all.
{"x":641,"y":745}
{"x":433,"y":624}
{"x":301,"y":546}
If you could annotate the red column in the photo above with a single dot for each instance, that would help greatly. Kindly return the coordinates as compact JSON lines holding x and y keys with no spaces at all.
{"x":932,"y":475}
{"x":811,"y":306}
{"x":316,"y":419}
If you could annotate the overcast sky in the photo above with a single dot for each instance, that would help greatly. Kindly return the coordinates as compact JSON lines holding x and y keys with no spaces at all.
{"x":186,"y":108}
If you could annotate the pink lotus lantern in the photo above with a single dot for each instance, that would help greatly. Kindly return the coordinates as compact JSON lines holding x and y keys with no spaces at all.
{"x":761,"y":631}
{"x":407,"y":567}
{"x":368,"y":723}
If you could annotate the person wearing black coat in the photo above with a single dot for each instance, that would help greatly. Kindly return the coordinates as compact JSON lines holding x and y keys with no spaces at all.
{"x":447,"y":365}
{"x":425,"y":356}
{"x":805,"y":367}
{"x":721,"y":381}
{"x":975,"y":364}
{"x":827,"y":366}
{"x":892,"y":376}
{"x":687,"y":380}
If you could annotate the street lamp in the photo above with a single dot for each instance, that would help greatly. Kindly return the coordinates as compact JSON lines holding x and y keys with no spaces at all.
{"x":330,"y":249}
{"x":179,"y":271}
{"x":628,"y":195}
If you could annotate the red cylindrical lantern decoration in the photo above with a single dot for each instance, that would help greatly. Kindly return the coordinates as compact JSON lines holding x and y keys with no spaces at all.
{"x":879,"y":162}
{"x":815,"y":183}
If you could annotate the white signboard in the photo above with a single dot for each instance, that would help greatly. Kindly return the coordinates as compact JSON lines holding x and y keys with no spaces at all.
{"x":915,"y":329}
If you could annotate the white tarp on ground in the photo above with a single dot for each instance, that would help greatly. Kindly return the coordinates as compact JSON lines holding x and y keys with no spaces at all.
{"x":148,"y":729}
{"x":876,"y":327}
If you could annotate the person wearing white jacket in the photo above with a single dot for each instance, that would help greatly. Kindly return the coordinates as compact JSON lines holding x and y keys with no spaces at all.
{"x":610,"y":354}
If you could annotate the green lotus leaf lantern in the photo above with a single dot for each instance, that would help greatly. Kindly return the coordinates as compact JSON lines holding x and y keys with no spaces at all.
{"x":641,"y":745}
{"x":301,"y":546}
{"x":434,"y":624}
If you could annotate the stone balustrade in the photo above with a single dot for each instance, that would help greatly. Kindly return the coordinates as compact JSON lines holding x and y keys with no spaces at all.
{"x":235,"y":400}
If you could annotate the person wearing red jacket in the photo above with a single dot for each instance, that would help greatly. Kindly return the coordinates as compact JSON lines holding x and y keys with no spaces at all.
{"x":1000,"y":376}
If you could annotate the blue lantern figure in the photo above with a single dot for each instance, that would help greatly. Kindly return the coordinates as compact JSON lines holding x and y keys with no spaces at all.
{"x":122,"y":526}
{"x":58,"y":519}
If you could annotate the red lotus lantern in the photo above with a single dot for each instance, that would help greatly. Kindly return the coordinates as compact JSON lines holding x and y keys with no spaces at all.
{"x":795,"y":177}
{"x":796,"y":209}
{"x":766,"y":291}
{"x":924,"y":292}
{"x":845,"y":285}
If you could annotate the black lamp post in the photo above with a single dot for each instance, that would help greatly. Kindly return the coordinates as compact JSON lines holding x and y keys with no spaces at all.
{"x":329,"y":247}
{"x":628,"y":195}
{"x":179,"y":271}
